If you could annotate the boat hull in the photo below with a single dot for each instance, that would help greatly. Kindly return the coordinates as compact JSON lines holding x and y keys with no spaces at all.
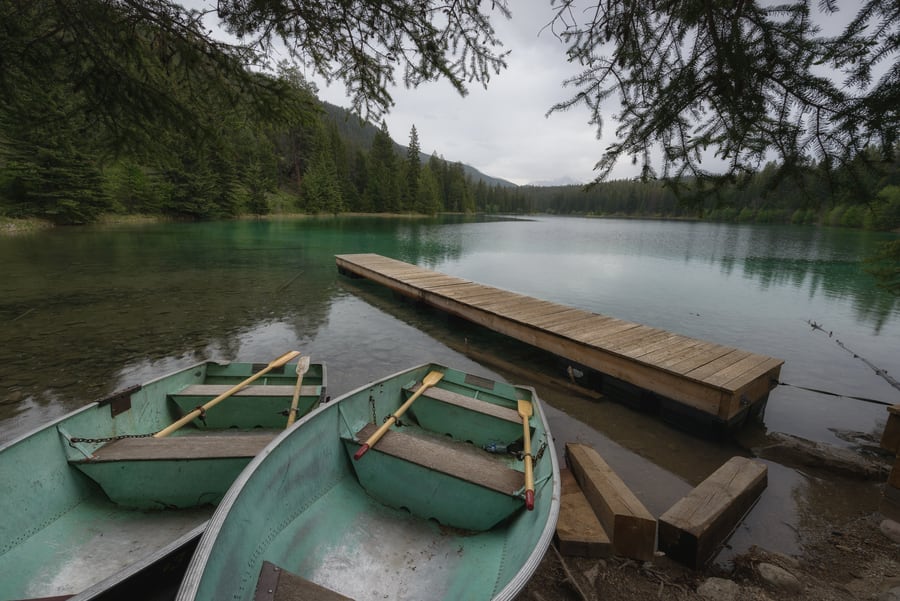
{"x":375,"y":529}
{"x":66,"y":530}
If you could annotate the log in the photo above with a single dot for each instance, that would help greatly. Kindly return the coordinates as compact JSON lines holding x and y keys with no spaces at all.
{"x":626,"y":520}
{"x":694,"y":529}
{"x":578,"y":531}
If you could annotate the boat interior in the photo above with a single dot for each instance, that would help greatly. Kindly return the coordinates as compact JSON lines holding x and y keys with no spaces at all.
{"x":94,"y":499}
{"x":425,"y":513}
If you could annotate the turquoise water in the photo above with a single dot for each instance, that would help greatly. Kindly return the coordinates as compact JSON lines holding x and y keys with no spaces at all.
{"x":87,"y":311}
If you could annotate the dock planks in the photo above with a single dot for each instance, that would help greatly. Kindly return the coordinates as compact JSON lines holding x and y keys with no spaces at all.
{"x":719,"y":381}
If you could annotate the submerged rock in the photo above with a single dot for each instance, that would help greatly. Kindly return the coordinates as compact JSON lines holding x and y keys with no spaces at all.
{"x":890,"y":529}
{"x":779,"y":578}
{"x":718,"y":589}
{"x":796,"y":451}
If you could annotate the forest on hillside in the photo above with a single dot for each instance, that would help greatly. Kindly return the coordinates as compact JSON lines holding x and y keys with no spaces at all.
{"x":122,"y":124}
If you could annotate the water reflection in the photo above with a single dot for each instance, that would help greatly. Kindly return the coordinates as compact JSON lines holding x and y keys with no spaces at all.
{"x":79,"y":304}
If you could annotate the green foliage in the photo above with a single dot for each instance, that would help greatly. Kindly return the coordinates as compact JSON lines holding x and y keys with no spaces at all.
{"x":886,"y":211}
{"x":885,"y":266}
{"x":738,"y":79}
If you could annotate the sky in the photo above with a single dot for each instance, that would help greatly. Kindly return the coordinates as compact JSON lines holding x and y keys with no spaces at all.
{"x":502,"y":131}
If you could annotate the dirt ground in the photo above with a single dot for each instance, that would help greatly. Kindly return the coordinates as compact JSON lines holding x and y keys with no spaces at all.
{"x":852,"y":560}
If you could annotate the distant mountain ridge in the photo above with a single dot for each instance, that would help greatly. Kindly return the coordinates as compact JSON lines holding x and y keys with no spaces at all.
{"x":350,"y":127}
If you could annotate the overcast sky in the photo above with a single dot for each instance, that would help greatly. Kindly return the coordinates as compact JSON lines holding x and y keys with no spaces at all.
{"x":502,"y":131}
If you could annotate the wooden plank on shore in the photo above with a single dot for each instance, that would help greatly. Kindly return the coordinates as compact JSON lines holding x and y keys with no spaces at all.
{"x":694,"y":529}
{"x":890,"y":438}
{"x":626,"y":520}
{"x":578,"y":531}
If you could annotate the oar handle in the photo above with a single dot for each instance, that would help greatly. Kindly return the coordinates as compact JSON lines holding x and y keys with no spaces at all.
{"x":430,"y":380}
{"x":302,"y":366}
{"x":529,"y":466}
{"x":193,"y":414}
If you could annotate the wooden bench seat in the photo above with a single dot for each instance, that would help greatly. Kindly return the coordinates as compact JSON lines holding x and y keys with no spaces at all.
{"x":457,"y":459}
{"x":278,"y":584}
{"x":214,"y":390}
{"x":201,"y":446}
{"x":469,"y":403}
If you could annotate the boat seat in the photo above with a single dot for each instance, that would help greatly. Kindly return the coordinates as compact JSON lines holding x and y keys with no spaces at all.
{"x":195,"y":446}
{"x":214,"y":390}
{"x":278,"y":584}
{"x":458,"y":459}
{"x":472,"y":404}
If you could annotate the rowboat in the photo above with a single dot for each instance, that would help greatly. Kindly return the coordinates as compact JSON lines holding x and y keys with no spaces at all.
{"x":98,"y":497}
{"x":335,"y":510}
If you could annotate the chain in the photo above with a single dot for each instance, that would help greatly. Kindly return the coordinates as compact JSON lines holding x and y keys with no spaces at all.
{"x":372,"y":403}
{"x":541,"y":450}
{"x":75,"y":439}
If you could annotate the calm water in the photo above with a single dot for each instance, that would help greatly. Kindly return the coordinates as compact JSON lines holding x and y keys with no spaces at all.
{"x":85,"y":312}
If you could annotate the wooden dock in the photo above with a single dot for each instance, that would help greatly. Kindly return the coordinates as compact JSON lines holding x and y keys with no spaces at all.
{"x":691,"y":377}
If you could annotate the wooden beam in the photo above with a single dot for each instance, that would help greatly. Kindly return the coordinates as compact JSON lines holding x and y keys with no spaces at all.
{"x":890,"y":438}
{"x":694,"y":529}
{"x":629,"y":524}
{"x":578,"y":531}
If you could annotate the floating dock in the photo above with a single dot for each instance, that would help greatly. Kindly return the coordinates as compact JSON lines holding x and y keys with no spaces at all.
{"x":688,"y":379}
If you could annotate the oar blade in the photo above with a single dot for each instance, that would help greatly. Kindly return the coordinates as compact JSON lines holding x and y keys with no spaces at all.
{"x":432,"y":378}
{"x":303,"y":365}
{"x":525,"y":409}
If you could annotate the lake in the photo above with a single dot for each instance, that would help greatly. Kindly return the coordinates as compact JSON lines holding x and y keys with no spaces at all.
{"x":87,"y":311}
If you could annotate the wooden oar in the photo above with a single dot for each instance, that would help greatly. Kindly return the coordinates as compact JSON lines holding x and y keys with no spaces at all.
{"x":302,"y":367}
{"x":430,"y":380}
{"x":190,"y":416}
{"x":525,"y":412}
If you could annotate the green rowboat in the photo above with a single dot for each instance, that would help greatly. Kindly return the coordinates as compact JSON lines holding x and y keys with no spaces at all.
{"x":92,"y":500}
{"x":426,"y":512}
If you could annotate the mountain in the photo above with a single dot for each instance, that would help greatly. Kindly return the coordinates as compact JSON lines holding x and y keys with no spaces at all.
{"x":362,"y":133}
{"x":566,"y":180}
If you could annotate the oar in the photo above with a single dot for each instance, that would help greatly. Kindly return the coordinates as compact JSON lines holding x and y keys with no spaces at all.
{"x":525,"y":413}
{"x":190,"y":416}
{"x":302,"y":367}
{"x":430,"y":380}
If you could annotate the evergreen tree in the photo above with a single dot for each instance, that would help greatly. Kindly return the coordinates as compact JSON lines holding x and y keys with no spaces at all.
{"x":428,"y":195}
{"x":383,"y":187}
{"x":413,"y":171}
{"x":739,"y":79}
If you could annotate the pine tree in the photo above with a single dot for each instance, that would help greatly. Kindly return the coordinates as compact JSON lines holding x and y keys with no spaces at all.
{"x":382,"y":187}
{"x":413,"y":171}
